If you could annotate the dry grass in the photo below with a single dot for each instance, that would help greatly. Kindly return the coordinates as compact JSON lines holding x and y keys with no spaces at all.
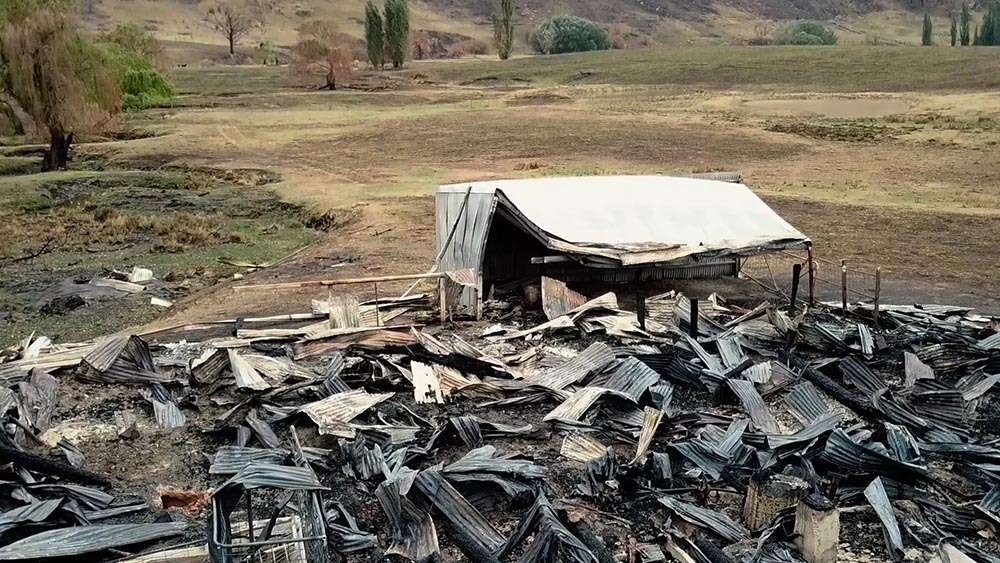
{"x":378,"y":156}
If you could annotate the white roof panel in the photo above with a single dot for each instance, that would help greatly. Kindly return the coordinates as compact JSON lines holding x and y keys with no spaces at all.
{"x":642,"y":219}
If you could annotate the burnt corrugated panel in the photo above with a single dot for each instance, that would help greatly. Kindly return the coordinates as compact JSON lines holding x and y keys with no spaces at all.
{"x":704,"y":455}
{"x":816,"y":428}
{"x":230,"y":460}
{"x":730,"y":350}
{"x":949,"y":356}
{"x":990,"y":342}
{"x":901,"y":442}
{"x":29,"y":513}
{"x":465,"y":520}
{"x":581,"y":447}
{"x":629,"y":376}
{"x":550,"y":539}
{"x":977,"y":384}
{"x":594,"y":358}
{"x":264,"y":475}
{"x":861,"y":377}
{"x":716,"y":522}
{"x":165,"y":409}
{"x":946,"y":407}
{"x":580,"y":402}
{"x":332,"y":413}
{"x":877,"y":497}
{"x":81,"y":540}
{"x":672,"y":367}
{"x":990,"y":505}
{"x":806,"y":402}
{"x":755,"y":406}
{"x":841,"y":451}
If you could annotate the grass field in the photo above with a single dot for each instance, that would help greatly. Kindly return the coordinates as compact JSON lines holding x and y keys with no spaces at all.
{"x":884,"y":156}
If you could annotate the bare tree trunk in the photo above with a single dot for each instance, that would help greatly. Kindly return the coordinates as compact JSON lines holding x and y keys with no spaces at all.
{"x":331,"y":80}
{"x":232,"y":44}
{"x":58,"y":154}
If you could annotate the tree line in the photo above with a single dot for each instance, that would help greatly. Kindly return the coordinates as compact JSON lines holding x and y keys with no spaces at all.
{"x":963,"y":31}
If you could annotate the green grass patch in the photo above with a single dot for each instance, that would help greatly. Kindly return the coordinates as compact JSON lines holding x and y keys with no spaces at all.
{"x":827,"y":69}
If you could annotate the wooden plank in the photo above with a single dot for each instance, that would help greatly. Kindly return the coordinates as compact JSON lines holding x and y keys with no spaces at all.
{"x":344,"y":281}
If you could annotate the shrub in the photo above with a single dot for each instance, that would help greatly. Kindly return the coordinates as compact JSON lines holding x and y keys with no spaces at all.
{"x":467,"y":47}
{"x":133,"y":38}
{"x":806,"y":33}
{"x":142,"y":86}
{"x":569,"y":34}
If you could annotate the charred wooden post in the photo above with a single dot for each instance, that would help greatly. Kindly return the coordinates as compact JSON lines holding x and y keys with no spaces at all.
{"x":640,"y":301}
{"x":817,"y":529}
{"x":693,"y":321}
{"x":878,"y":292}
{"x":812,"y":276}
{"x":378,"y":316}
{"x":843,"y":285}
{"x":443,"y":298}
{"x":769,"y":494}
{"x":796,"y":273}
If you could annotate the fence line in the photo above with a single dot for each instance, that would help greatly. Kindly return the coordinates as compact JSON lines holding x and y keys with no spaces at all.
{"x":774,"y":272}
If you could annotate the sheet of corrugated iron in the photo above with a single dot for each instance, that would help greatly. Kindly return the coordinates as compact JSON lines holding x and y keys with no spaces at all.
{"x":755,"y":406}
{"x":266,"y":475}
{"x":877,"y":497}
{"x":806,"y":402}
{"x":840,"y":450}
{"x":230,"y":460}
{"x":730,"y":350}
{"x":465,"y":520}
{"x":573,"y":408}
{"x":247,"y":377}
{"x":594,"y":358}
{"x":716,"y":522}
{"x":581,"y":447}
{"x":80,"y":540}
{"x":335,"y":411}
{"x":629,"y":376}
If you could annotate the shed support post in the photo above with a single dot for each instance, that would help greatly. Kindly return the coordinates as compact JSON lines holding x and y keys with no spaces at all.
{"x":812,"y":276}
{"x":443,"y":298}
{"x":796,"y":273}
{"x":843,"y":285}
{"x":640,"y":301}
{"x":378,"y":316}
{"x":878,"y":292}
{"x":693,"y":321}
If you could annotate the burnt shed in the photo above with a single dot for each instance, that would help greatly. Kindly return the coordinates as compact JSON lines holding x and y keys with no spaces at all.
{"x":604,"y":228}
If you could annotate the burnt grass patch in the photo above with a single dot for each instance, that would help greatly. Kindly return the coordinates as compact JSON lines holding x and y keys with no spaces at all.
{"x":58,"y":232}
{"x":848,"y":131}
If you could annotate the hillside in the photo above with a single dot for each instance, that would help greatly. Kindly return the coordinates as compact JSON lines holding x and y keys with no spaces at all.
{"x":181,"y":23}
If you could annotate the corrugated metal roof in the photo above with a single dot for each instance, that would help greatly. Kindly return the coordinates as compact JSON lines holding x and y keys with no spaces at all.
{"x":639,"y":219}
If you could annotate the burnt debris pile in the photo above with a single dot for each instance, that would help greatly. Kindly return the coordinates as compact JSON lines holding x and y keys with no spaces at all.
{"x":361,"y":432}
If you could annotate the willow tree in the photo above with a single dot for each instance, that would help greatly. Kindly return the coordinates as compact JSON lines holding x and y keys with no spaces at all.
{"x":322,"y":55}
{"x":56,"y":76}
{"x":374,"y":35}
{"x":503,"y":29}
